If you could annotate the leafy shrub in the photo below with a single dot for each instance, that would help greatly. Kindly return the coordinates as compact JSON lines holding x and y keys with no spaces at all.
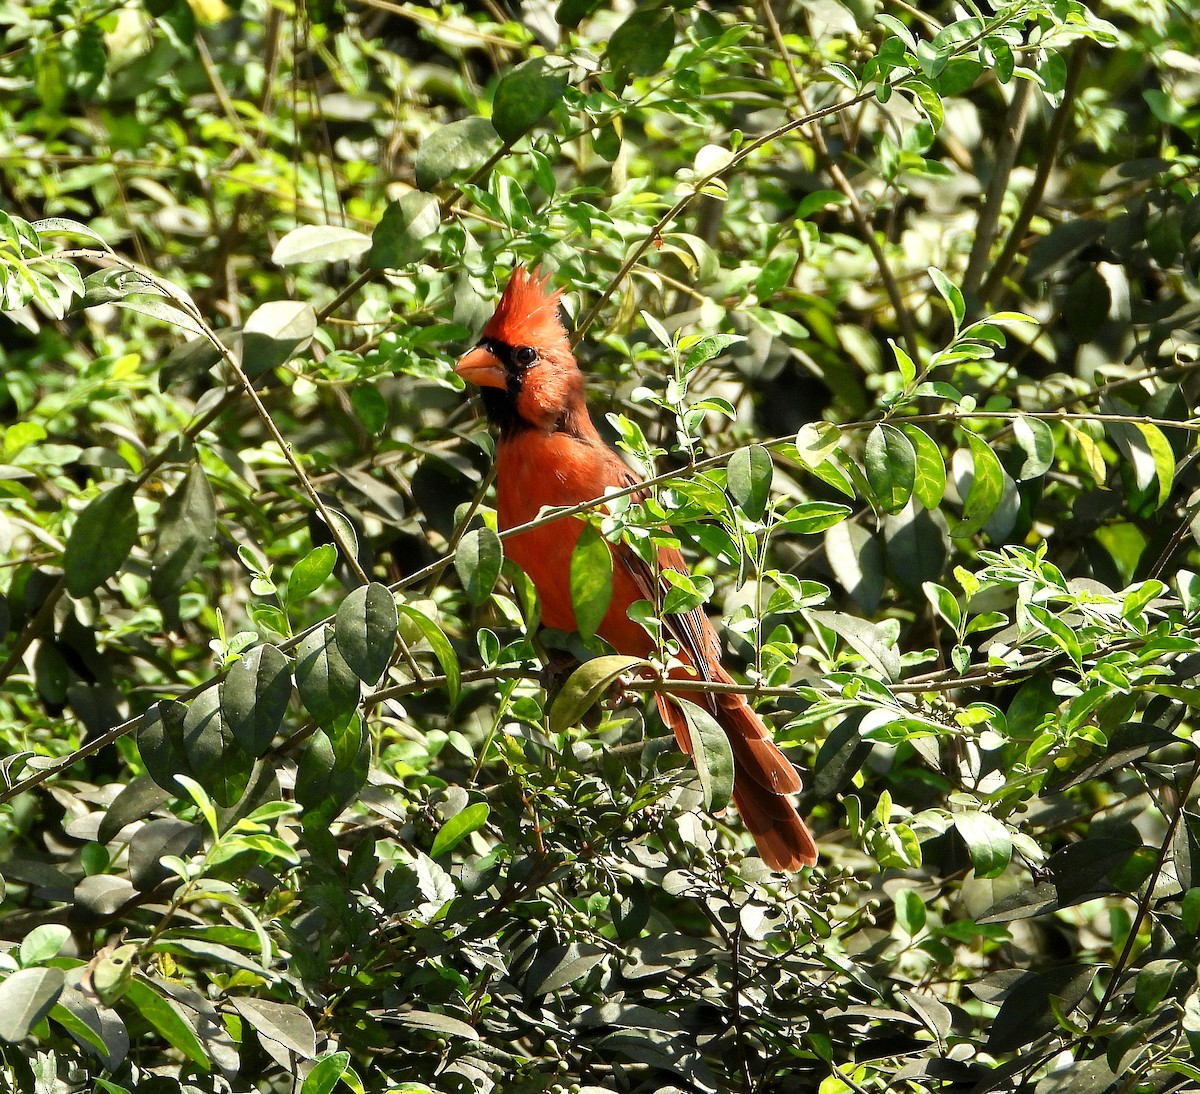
{"x":896,"y":309}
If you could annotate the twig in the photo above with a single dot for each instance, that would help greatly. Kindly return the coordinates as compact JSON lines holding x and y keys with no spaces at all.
{"x":993,"y":201}
{"x":908,"y":330}
{"x":1054,"y":137}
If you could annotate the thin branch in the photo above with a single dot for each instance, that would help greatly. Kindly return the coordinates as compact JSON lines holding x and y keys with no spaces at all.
{"x":1054,"y":138}
{"x":908,"y":330}
{"x":993,"y":201}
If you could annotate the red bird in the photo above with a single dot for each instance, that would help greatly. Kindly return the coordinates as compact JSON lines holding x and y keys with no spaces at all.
{"x":550,"y":454}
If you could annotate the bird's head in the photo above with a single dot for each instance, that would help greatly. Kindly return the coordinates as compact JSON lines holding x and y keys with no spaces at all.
{"x":523,"y":362}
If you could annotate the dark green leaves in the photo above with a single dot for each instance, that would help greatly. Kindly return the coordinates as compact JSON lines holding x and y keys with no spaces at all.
{"x":101,"y":540}
{"x":455,"y":147}
{"x":405,"y":231}
{"x":591,"y":580}
{"x":186,"y":525}
{"x":26,"y":996}
{"x":712,"y":755}
{"x":365,"y":629}
{"x":478,"y":561}
{"x":328,"y":686}
{"x":525,"y":95}
{"x":255,"y":696}
{"x":640,"y":45}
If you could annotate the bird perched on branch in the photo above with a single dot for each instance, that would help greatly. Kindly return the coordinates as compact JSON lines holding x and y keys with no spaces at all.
{"x":550,"y":454}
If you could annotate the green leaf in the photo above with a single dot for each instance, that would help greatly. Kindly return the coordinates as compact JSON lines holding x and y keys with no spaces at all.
{"x":327,"y":685}
{"x":187,"y":523}
{"x":459,"y":146}
{"x":441,"y":647}
{"x":222,"y":767}
{"x":365,"y":629}
{"x":586,"y":685}
{"x":570,"y":13}
{"x":749,"y":476}
{"x":405,"y":232}
{"x":951,"y":294}
{"x":326,"y":1074}
{"x":525,"y":95}
{"x":26,"y":997}
{"x":891,"y":466}
{"x":1164,"y":459}
{"x":43,"y":943}
{"x":478,"y":560}
{"x":458,"y":827}
{"x":867,"y":639}
{"x":988,"y":841}
{"x":310,"y":573}
{"x":929,"y":483}
{"x":591,"y":580}
{"x":332,"y":770}
{"x":640,"y":45}
{"x":944,"y":603}
{"x":711,"y":753}
{"x":254,"y":697}
{"x":160,"y":743}
{"x":687,"y":592}
{"x":166,"y":1016}
{"x":103,"y":535}
{"x":811,"y":516}
{"x":319,"y":243}
{"x":987,"y":489}
{"x":275,"y":333}
{"x":1037,"y":442}
{"x":910,"y":912}
{"x":707,"y":348}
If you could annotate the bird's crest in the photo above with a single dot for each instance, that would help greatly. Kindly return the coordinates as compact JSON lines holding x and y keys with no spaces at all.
{"x":528,"y":311}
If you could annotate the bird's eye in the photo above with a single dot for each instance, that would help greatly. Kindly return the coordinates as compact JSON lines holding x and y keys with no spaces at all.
{"x":524,"y":355}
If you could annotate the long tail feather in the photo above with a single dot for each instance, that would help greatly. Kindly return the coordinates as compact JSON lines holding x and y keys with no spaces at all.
{"x":763,"y":779}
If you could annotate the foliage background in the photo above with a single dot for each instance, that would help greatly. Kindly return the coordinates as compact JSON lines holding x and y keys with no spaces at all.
{"x":940,"y":489}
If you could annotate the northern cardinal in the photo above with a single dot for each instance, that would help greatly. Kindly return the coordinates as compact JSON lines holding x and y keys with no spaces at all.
{"x":550,"y":454}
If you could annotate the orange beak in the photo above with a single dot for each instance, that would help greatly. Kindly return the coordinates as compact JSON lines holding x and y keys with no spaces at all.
{"x":480,"y":367}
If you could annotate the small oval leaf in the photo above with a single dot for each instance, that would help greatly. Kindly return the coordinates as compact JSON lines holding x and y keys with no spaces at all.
{"x":478,"y":561}
{"x":103,"y":535}
{"x":255,"y":696}
{"x":327,"y":685}
{"x":365,"y":630}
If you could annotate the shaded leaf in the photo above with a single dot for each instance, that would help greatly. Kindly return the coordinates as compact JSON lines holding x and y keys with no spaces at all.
{"x":405,"y":232}
{"x":187,"y":522}
{"x":749,"y":475}
{"x":525,"y":95}
{"x":103,"y":535}
{"x":478,"y":560}
{"x":891,"y":466}
{"x":463,"y":144}
{"x":327,"y":685}
{"x":586,"y":685}
{"x":365,"y":630}
{"x":255,"y":696}
{"x":711,"y":753}
{"x":26,"y":997}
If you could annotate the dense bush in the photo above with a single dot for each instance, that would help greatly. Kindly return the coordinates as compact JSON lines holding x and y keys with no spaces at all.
{"x":896,"y":309}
